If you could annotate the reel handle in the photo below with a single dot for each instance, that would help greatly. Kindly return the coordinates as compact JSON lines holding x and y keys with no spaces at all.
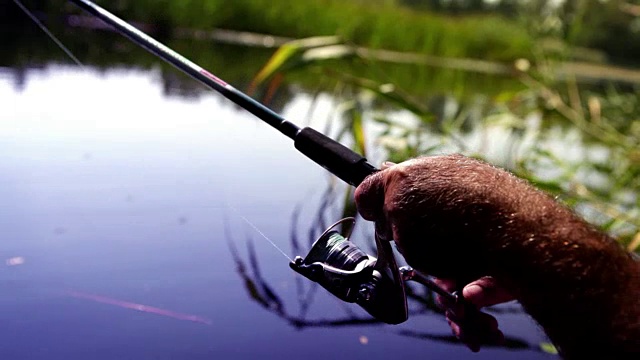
{"x":473,"y":329}
{"x":470,"y":322}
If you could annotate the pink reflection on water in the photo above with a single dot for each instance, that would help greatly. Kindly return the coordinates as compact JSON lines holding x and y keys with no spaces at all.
{"x":138,"y":307}
{"x":15,"y":261}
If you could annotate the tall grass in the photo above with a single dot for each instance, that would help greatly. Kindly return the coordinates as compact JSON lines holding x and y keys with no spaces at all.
{"x":577,"y":143}
{"x":377,"y":24}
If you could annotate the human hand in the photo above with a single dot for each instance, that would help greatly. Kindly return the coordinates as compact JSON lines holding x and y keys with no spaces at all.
{"x":448,"y":214}
{"x":478,"y":328}
{"x":396,"y":199}
{"x":461,"y":219}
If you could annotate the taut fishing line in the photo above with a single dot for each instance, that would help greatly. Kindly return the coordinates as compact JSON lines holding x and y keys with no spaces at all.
{"x":81,"y":65}
{"x":261,"y":233}
{"x":49,"y":33}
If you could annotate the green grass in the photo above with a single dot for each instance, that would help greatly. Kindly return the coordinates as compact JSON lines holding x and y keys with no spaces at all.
{"x":582,"y":146}
{"x":489,"y":37}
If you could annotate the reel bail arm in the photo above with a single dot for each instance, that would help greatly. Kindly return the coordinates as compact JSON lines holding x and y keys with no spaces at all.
{"x":344,"y":270}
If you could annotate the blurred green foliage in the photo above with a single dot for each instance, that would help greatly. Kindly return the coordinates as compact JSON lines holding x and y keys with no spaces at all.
{"x":611,"y":26}
{"x":495,"y":30}
{"x":382,"y":24}
{"x":576,"y":140}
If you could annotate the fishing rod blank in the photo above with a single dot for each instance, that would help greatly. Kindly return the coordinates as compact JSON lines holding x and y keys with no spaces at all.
{"x":330,"y":154}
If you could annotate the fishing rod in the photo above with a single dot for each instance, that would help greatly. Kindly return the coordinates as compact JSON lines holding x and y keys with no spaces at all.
{"x":330,"y":154}
{"x":377,"y":284}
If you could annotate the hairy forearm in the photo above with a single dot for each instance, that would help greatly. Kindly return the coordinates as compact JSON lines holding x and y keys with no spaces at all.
{"x":579,"y":284}
{"x":457,"y":218}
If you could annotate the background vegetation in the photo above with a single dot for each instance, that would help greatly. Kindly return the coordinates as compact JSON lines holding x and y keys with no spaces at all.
{"x":577,"y":140}
{"x":547,"y":89}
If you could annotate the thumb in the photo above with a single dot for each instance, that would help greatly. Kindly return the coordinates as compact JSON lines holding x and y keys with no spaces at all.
{"x":486,"y":292}
{"x":387,"y":164}
{"x":369,"y":196}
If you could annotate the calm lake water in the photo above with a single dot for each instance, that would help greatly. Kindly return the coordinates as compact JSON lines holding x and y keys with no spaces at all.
{"x":119,"y":208}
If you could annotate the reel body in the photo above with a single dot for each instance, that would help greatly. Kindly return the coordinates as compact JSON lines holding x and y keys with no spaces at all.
{"x":339,"y":266}
{"x":374,"y":283}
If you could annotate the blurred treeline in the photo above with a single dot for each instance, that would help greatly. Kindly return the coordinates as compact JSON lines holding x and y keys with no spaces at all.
{"x":499,"y":29}
{"x":612,"y":26}
{"x":493,"y":29}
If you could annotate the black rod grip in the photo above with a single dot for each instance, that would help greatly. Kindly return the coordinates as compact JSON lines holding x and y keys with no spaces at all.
{"x":341,"y":161}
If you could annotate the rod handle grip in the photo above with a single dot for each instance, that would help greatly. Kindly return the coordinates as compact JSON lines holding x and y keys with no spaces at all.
{"x":341,"y":161}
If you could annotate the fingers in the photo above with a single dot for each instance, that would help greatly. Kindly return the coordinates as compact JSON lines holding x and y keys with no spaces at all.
{"x":485,"y":292}
{"x":475,"y":328}
{"x":482,"y":330}
{"x":369,"y":195}
{"x":481,"y":293}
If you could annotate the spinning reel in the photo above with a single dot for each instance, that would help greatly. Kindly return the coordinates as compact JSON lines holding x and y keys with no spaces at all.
{"x":374,"y":283}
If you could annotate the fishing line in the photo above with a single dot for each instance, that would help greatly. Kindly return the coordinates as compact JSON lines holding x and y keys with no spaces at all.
{"x":261,"y":233}
{"x":49,"y":33}
{"x":79,"y":63}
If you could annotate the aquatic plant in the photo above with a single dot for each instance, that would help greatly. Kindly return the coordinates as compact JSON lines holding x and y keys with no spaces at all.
{"x":579,"y":142}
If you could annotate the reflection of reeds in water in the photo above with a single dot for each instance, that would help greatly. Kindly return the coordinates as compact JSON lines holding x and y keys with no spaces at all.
{"x":576,"y":141}
{"x":421,"y":301}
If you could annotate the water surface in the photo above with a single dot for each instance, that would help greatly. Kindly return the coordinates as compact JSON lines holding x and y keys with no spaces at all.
{"x":115,"y":194}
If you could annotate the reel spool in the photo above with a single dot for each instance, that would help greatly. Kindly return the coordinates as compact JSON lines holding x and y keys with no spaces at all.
{"x":343,"y":269}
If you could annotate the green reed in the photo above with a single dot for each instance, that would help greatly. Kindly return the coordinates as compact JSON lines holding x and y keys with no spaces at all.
{"x":379,"y":24}
{"x":579,"y":143}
